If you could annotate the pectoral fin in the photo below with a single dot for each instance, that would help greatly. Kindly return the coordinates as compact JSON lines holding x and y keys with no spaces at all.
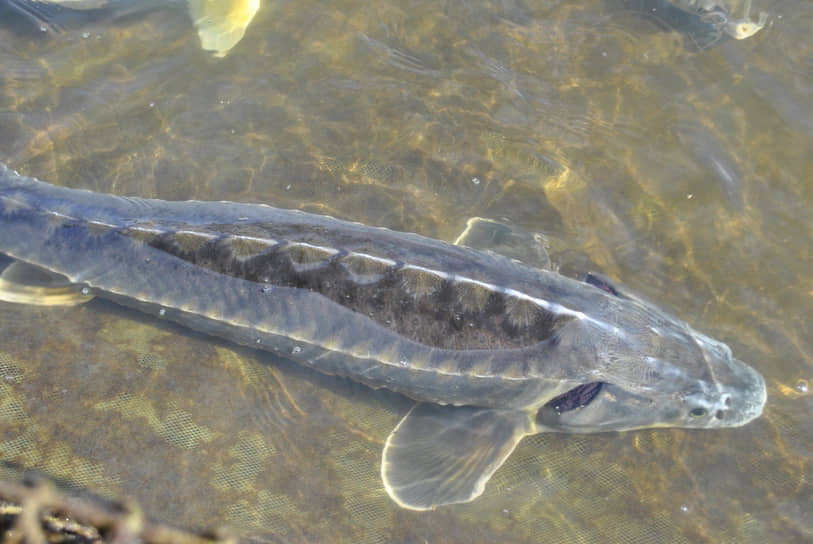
{"x":490,"y":235}
{"x":445,"y":454}
{"x":222,"y":23}
{"x":26,"y":284}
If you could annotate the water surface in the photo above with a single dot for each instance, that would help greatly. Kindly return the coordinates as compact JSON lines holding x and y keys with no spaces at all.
{"x":678,"y":166}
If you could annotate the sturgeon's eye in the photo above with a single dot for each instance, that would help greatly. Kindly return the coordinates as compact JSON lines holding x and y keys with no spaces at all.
{"x":698,"y":412}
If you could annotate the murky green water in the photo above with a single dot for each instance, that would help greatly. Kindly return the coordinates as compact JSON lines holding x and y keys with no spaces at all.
{"x":681,"y":169}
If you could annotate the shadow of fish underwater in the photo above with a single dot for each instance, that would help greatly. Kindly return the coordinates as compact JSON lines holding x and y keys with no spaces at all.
{"x":221,"y":24}
{"x":492,"y":349}
{"x":721,"y":14}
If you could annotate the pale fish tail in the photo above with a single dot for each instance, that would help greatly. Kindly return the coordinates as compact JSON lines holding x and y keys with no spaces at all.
{"x":222,"y":24}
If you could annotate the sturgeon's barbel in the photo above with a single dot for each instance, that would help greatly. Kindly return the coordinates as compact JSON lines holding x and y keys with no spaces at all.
{"x":491,"y":349}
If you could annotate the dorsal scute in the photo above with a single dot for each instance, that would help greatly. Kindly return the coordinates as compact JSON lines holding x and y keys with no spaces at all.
{"x":366,"y":269}
{"x":420,"y":282}
{"x":245,"y":247}
{"x":190,"y":241}
{"x":305,"y":257}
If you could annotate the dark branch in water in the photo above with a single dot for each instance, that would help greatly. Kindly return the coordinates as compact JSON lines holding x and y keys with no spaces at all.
{"x":34,"y":512}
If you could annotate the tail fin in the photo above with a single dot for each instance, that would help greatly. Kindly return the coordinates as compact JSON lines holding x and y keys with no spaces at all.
{"x":222,"y":23}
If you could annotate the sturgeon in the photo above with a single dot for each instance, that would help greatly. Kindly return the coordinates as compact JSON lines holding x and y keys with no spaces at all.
{"x":221,"y":24}
{"x":720,"y":14}
{"x":491,"y":349}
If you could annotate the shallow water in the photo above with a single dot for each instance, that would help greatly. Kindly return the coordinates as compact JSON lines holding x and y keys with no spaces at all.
{"x":677,"y":166}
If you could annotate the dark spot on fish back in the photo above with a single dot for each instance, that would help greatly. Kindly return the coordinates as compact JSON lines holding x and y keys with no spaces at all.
{"x":458,"y":313}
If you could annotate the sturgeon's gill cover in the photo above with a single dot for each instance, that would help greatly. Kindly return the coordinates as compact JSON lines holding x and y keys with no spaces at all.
{"x":491,"y":349}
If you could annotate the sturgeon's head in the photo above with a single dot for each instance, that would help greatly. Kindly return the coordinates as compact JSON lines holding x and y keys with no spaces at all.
{"x":650,"y":370}
{"x":719,"y":15}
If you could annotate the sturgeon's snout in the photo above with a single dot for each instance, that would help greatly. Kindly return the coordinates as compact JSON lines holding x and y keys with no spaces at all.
{"x":748,"y":404}
{"x":742,"y":392}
